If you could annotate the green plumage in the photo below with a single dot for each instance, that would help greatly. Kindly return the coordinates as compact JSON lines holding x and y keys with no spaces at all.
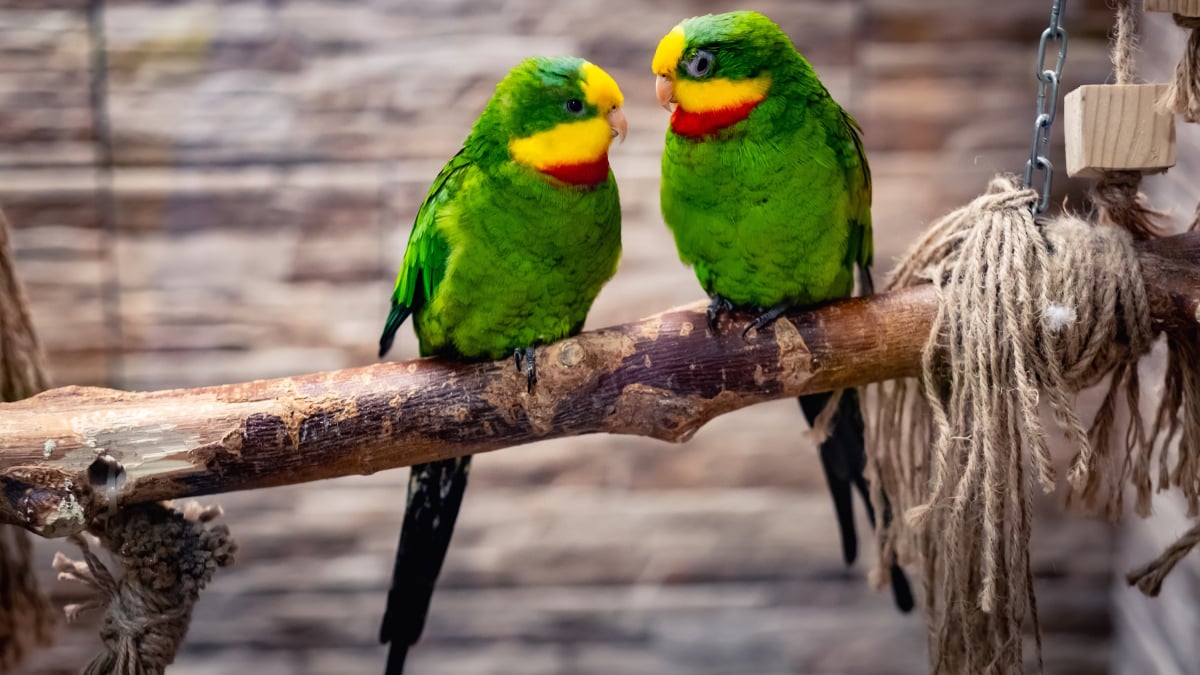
{"x":502,"y":256}
{"x":776,"y":208}
{"x":772,"y":209}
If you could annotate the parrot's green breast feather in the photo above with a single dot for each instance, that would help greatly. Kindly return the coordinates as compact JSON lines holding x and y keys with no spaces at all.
{"x":774,"y":209}
{"x":502,"y":258}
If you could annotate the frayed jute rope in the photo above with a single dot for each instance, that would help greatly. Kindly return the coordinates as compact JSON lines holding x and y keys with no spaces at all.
{"x":1182,"y":96}
{"x":1118,"y":202}
{"x":1149,"y":577}
{"x":1027,"y":313}
{"x":1125,"y":43}
{"x":1115,"y":195}
{"x":164,"y":559}
{"x":26,"y":616}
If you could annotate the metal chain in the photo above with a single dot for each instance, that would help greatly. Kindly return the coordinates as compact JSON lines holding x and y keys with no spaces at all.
{"x":1047,"y":104}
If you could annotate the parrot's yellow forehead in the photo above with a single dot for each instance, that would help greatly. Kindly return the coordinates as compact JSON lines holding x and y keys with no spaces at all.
{"x":670,"y":50}
{"x":599,"y":88}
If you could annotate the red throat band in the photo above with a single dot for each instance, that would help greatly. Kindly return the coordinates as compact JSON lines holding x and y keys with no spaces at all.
{"x":586,"y":173}
{"x":696,"y":125}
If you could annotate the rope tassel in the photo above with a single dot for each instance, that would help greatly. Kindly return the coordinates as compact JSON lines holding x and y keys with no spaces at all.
{"x":167,"y":558}
{"x":1028,"y":312}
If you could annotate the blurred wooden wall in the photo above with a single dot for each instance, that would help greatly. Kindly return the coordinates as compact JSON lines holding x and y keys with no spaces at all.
{"x":270,"y":156}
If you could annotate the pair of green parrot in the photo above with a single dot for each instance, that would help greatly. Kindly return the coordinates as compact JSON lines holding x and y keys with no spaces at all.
{"x":764,"y":185}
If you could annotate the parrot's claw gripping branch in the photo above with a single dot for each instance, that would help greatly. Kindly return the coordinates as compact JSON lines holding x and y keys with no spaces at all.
{"x":719,"y":305}
{"x":526,"y":358}
{"x":764,"y":319}
{"x":663,"y":377}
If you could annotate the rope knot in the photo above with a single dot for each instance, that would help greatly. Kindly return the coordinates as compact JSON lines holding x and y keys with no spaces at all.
{"x":1027,"y":313}
{"x":167,"y":558}
{"x":1097,"y":311}
{"x":1118,"y":202}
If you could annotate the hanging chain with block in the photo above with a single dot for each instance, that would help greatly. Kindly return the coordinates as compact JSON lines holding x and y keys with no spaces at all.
{"x":1047,"y":104}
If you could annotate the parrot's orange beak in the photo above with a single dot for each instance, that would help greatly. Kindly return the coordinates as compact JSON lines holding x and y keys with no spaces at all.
{"x":666,"y":60}
{"x":664,"y":89}
{"x":617,"y":122}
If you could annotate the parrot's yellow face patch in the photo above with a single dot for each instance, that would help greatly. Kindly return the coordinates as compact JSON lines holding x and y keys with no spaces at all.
{"x":706,"y":95}
{"x":577,"y":151}
{"x":567,"y":143}
{"x":670,"y":50}
{"x":701,"y":96}
{"x":600,"y":89}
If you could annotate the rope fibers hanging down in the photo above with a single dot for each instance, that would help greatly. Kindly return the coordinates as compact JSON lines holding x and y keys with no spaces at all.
{"x":1028,"y":312}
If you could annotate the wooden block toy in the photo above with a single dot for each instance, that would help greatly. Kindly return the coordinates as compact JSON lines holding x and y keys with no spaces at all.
{"x":1116,"y":127}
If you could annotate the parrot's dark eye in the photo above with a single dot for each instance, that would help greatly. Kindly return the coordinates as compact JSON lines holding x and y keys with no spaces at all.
{"x":574,"y":106}
{"x":701,"y":64}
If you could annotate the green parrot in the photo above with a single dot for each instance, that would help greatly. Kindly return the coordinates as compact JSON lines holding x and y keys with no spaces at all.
{"x":767,"y":191}
{"x":512,"y":244}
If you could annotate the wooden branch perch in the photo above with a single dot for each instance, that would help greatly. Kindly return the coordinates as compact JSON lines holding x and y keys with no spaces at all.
{"x":67,"y":453}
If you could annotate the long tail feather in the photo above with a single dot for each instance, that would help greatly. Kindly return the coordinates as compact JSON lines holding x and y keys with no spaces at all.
{"x":435,"y":493}
{"x":844,"y":460}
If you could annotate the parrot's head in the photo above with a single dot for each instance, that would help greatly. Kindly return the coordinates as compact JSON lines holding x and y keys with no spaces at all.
{"x":712,"y":71}
{"x":558,"y":115}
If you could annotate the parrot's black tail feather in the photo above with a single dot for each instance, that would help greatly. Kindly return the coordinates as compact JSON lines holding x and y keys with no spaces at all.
{"x":844,"y":460}
{"x":902,"y":593}
{"x":395,"y":659}
{"x":435,"y":492}
{"x":865,"y":281}
{"x":395,"y":319}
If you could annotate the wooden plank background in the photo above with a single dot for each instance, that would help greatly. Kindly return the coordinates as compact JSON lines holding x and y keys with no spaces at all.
{"x":271,"y":156}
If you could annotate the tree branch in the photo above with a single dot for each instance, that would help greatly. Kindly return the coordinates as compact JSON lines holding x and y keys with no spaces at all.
{"x":65,"y":454}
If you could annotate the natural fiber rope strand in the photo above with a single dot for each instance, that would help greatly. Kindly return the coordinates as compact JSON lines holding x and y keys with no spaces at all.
{"x":1064,"y":309}
{"x":1125,"y":40}
{"x":1149,"y":577}
{"x":166,"y":558}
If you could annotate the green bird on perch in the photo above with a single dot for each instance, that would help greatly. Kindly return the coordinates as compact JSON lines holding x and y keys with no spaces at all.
{"x":767,"y":191}
{"x":512,"y":244}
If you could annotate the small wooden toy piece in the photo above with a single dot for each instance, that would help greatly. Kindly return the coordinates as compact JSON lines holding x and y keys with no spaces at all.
{"x":1181,"y":7}
{"x":1117,"y":127}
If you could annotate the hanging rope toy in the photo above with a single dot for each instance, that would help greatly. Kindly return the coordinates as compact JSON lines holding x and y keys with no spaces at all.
{"x":1029,"y":311}
{"x":165,"y":559}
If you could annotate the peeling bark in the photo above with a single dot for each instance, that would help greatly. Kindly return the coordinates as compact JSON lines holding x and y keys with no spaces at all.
{"x":68,"y":453}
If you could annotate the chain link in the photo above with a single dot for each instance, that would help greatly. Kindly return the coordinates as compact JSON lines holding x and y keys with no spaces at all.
{"x":1047,"y":104}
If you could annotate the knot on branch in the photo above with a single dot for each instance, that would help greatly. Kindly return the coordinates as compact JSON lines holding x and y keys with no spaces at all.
{"x":1026,"y":311}
{"x":1118,"y":202}
{"x":164,"y":559}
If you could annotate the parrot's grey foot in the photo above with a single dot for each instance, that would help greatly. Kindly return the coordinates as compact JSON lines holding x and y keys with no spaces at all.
{"x":765,"y":319}
{"x":718,"y":305}
{"x":526,"y":355}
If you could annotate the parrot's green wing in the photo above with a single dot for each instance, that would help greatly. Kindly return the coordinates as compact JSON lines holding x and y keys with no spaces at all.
{"x":861,"y":249}
{"x":425,"y":259}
